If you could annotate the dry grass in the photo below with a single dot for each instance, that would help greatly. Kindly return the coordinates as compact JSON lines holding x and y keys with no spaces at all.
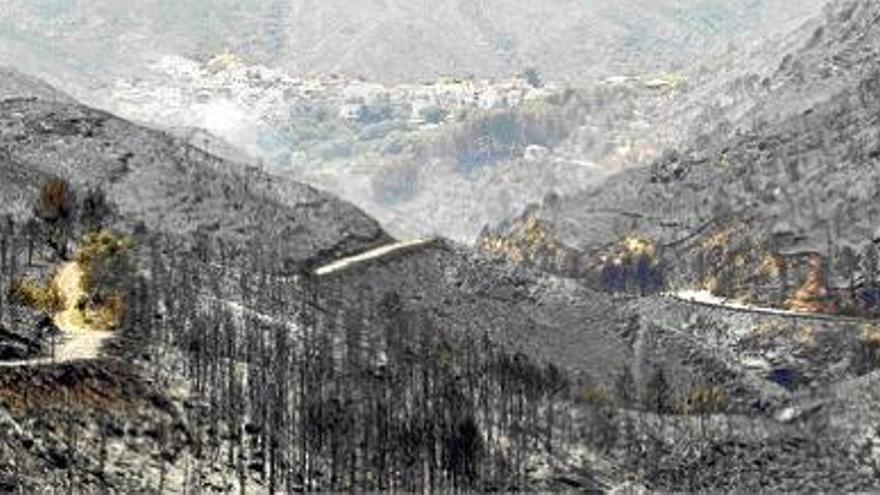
{"x":813,"y":296}
{"x":529,"y":242}
{"x":719,"y":240}
{"x":806,"y":337}
{"x":66,"y":295}
{"x":97,"y":253}
{"x":710,"y":284}
{"x":771,"y":267}
{"x":107,"y":315}
{"x":766,"y":331}
{"x":637,"y":245}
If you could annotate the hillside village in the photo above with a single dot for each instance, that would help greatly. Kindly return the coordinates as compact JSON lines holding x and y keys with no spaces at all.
{"x":269,"y":94}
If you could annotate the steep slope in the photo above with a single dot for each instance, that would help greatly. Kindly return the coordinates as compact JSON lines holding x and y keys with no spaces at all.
{"x":160,"y":182}
{"x":795,"y":175}
{"x":162,"y":186}
{"x":550,"y":320}
{"x":372,"y":164}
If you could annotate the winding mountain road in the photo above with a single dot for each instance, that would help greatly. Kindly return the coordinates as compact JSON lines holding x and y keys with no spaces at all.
{"x":705,"y":298}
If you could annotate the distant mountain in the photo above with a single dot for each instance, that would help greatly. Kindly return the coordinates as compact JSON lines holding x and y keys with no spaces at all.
{"x":388,"y":40}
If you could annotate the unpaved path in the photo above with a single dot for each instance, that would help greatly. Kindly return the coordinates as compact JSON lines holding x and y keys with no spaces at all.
{"x":78,"y":341}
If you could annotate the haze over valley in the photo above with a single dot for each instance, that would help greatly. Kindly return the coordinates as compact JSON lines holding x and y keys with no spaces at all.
{"x":435,"y":118}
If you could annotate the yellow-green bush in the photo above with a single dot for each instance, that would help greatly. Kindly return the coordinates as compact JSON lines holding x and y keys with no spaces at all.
{"x":97,"y":254}
{"x":107,"y":315}
{"x":102,"y":244}
{"x":45,"y":297}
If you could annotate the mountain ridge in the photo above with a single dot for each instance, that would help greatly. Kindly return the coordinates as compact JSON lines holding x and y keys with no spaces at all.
{"x":455,"y":38}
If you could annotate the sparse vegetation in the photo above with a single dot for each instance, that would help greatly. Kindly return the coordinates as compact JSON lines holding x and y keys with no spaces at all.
{"x":813,"y":295}
{"x":107,"y":274}
{"x":866,"y":354}
{"x":88,"y":291}
{"x":107,"y":315}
